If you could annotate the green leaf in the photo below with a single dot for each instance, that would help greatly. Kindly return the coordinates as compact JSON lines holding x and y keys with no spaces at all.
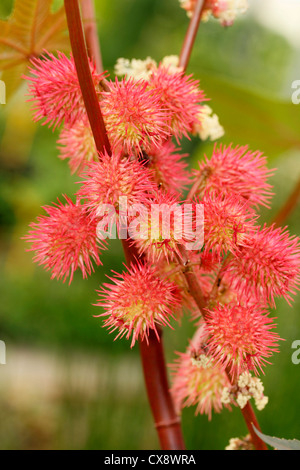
{"x":265,"y":124}
{"x":31,"y":28}
{"x":277,"y":443}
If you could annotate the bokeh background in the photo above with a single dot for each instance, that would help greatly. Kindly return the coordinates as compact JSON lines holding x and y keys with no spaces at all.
{"x":67,"y":384}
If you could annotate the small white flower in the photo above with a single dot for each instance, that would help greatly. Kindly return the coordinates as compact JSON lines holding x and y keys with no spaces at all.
{"x":242,"y":399}
{"x":245,"y":443}
{"x":142,"y":69}
{"x":172,"y":62}
{"x":136,"y":68}
{"x":256,"y":387}
{"x":261,"y":403}
{"x":210,"y":126}
{"x":189,"y":6}
{"x":251,"y":387}
{"x":244,"y":380}
{"x":233,"y":444}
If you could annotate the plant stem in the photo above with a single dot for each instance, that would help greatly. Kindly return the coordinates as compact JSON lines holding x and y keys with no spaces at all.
{"x":91,"y":33}
{"x":250,"y":419}
{"x":165,"y":417}
{"x":288,"y":207}
{"x":191,"y":34}
{"x":82,"y":63}
{"x":167,"y":422}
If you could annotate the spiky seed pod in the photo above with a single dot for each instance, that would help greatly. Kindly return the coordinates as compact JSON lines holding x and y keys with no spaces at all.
{"x":65,"y":240}
{"x":228,"y":223}
{"x":180,"y":97}
{"x":268,"y":267}
{"x":77,"y":145}
{"x":240,"y":338}
{"x":138,"y":301}
{"x":236,"y":170}
{"x":54,"y":88}
{"x":165,"y":226}
{"x":134,"y":117}
{"x":197,"y":380}
{"x":169,"y":168}
{"x":113,"y":177}
{"x":195,"y":385}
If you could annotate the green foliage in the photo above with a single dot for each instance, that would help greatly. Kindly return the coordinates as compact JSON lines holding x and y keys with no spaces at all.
{"x":31,"y":28}
{"x":263,"y":123}
{"x":279,"y":444}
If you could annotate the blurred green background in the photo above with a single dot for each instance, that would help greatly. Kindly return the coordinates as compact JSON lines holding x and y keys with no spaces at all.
{"x":67,"y":384}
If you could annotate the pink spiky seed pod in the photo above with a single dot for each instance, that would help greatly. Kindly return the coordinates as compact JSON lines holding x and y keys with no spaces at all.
{"x":240,"y":338}
{"x":180,"y":97}
{"x":195,"y":385}
{"x":268,"y":267}
{"x":133,"y":116}
{"x":65,"y":240}
{"x":77,"y":145}
{"x":169,"y":168}
{"x":209,"y":262}
{"x":197,"y":380}
{"x":164,"y":226}
{"x":54,"y":88}
{"x":137,"y":302}
{"x":113,"y":177}
{"x":229,"y":223}
{"x":236,"y":170}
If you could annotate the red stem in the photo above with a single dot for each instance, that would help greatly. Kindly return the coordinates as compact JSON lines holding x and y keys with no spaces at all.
{"x":166,"y":419}
{"x":167,"y":424}
{"x":250,"y":418}
{"x":191,"y":34}
{"x":91,"y":33}
{"x":82,"y":63}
